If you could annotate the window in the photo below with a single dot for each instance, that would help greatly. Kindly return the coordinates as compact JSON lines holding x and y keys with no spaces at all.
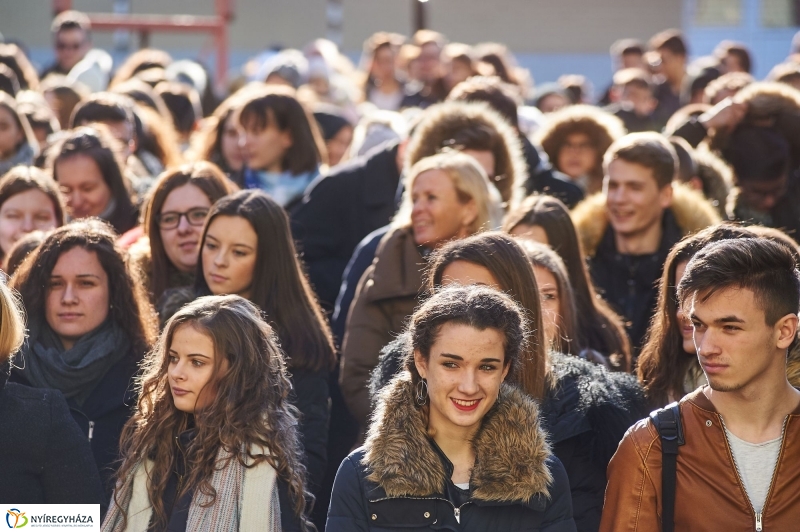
{"x":780,"y":13}
{"x":719,"y":12}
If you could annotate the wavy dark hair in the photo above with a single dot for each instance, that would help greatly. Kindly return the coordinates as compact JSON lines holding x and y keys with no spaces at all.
{"x":205,"y":176}
{"x":129,"y":307}
{"x":94,"y":142}
{"x":24,"y":178}
{"x":598,"y":327}
{"x":477,"y":306}
{"x":507,"y":262}
{"x":662,"y":363}
{"x":280,"y":287}
{"x":8,"y":103}
{"x":251,"y":407}
{"x":278,"y":105}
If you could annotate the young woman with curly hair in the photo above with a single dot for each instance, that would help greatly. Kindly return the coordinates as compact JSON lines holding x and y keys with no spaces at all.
{"x":90,"y":324}
{"x":213,"y":444}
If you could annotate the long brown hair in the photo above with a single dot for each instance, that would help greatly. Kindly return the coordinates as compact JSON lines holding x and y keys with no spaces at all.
{"x":207,"y":142}
{"x":508,"y":263}
{"x":250,"y":406}
{"x":10,"y":104}
{"x":598,"y":327}
{"x":280,"y":287}
{"x":205,"y":176}
{"x":663,"y":363}
{"x":129,"y":307}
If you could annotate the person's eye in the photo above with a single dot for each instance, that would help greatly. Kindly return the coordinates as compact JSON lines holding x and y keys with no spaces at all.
{"x":488,"y":367}
{"x":197,"y":363}
{"x":548,"y":297}
{"x":168,"y":219}
{"x":211,"y":246}
{"x":197,"y":215}
{"x":44,"y":217}
{"x":239,"y":253}
{"x":450,"y":365}
{"x":12,"y":215}
{"x":730,"y":328}
{"x":55,"y":284}
{"x":173,"y":359}
{"x":88,"y":188}
{"x":87,"y":283}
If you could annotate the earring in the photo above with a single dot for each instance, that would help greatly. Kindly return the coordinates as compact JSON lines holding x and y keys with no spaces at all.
{"x":422,"y":392}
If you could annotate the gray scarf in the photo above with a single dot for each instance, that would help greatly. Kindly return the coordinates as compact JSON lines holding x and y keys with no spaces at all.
{"x":24,"y":156}
{"x":74,"y":372}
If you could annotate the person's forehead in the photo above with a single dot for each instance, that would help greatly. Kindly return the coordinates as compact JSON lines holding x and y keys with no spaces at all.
{"x":622,"y":171}
{"x":728,"y":301}
{"x":71,"y":34}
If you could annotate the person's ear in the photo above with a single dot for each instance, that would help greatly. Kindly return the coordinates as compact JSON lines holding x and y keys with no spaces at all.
{"x":286,"y":139}
{"x":469,"y":213}
{"x":421,"y":364}
{"x":786,"y":331}
{"x":665,"y":196}
{"x":506,"y":369}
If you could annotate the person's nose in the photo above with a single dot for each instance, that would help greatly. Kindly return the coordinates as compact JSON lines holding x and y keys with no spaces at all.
{"x":27,"y":223}
{"x":468,"y":385}
{"x":705,"y":343}
{"x":177,"y":371}
{"x":70,"y":295}
{"x":221,"y":258}
{"x":184,"y":227}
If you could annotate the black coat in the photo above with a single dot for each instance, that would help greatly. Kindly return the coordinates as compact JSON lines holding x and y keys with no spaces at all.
{"x":44,"y":458}
{"x":103,"y":415}
{"x":585,"y":414}
{"x":341,"y":208}
{"x":310,"y":394}
{"x":542,"y":178}
{"x":400,"y":480}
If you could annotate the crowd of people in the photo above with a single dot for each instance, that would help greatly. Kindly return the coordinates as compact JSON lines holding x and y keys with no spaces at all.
{"x":421,"y":293}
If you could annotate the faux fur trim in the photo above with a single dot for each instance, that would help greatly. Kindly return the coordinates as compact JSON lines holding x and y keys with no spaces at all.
{"x":442,"y":121}
{"x":511,"y":449}
{"x":692,"y":212}
{"x":793,"y":367}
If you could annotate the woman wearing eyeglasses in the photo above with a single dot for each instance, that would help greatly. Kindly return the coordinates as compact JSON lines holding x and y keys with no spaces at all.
{"x":174,"y":214}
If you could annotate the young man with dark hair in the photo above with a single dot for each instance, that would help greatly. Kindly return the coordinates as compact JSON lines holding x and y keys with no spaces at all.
{"x":628,"y":229}
{"x":634,"y":100}
{"x":672,"y":53}
{"x":72,"y":40}
{"x":739,"y":465}
{"x":504,"y":99}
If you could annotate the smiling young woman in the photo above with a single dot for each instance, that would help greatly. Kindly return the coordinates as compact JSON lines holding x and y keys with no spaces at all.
{"x":213,"y":444}
{"x":450,"y":445}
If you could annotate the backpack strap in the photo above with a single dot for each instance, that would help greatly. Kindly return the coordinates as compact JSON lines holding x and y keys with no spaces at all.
{"x":667,"y":421}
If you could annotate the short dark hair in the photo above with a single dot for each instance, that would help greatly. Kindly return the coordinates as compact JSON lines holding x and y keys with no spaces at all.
{"x":626,"y":47}
{"x":183,"y":103}
{"x":671,"y":40}
{"x":757,"y":154}
{"x":71,"y":20}
{"x":736,"y":49}
{"x":477,"y":306}
{"x":104,"y":107}
{"x":501,"y":96}
{"x":649,"y":149}
{"x":767,"y":268}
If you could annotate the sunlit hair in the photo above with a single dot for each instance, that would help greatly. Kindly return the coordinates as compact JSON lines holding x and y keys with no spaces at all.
{"x":507,"y":262}
{"x":250,"y":407}
{"x":207,"y":142}
{"x":12,"y":323}
{"x":663,"y":362}
{"x":470,"y":182}
{"x":599,"y":327}
{"x":24,"y":178}
{"x":128,"y":304}
{"x":279,"y":285}
{"x":205,"y":176}
{"x":543,"y":256}
{"x":476,"y":306}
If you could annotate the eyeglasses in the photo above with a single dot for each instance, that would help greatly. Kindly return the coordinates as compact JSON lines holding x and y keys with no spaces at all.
{"x":74,"y":46}
{"x":171,"y":220}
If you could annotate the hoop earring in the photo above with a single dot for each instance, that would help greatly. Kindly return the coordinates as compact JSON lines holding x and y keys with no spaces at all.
{"x":422,"y":392}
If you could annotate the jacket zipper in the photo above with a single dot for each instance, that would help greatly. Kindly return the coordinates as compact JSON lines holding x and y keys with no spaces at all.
{"x":91,"y":423}
{"x":758,"y":515}
{"x":91,"y":430}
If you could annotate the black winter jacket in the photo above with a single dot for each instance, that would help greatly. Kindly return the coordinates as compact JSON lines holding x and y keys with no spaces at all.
{"x":542,"y":178}
{"x":44,"y":459}
{"x":400,"y":480}
{"x":341,"y":208}
{"x":103,"y":415}
{"x":585,"y":414}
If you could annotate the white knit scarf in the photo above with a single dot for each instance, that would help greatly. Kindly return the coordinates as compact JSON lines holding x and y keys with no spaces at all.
{"x":247,"y":500}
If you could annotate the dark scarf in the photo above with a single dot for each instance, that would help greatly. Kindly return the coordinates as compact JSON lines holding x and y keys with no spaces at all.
{"x":74,"y":372}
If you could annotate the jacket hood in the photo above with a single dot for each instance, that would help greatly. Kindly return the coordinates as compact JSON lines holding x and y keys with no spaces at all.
{"x":691,"y":210}
{"x":511,"y":449}
{"x":443,"y":121}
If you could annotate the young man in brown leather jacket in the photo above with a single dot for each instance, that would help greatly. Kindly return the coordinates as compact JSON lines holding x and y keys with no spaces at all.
{"x":739,"y":468}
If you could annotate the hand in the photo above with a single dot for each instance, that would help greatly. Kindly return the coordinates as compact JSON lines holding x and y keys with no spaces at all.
{"x":726,"y":114}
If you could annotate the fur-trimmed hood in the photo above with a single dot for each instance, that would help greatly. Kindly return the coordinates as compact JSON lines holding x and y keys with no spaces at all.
{"x":691,"y":210}
{"x":442,"y":122}
{"x":510,"y":447}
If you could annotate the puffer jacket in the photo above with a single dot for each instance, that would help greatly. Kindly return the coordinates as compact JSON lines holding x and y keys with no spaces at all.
{"x":585,"y":413}
{"x":400,"y":480}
